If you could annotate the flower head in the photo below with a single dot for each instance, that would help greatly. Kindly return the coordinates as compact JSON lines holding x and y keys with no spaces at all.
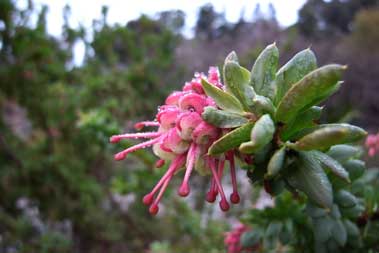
{"x":233,"y":238}
{"x":183,"y":138}
{"x":372,"y":143}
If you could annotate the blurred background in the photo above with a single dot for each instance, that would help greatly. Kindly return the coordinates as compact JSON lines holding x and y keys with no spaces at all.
{"x":72,"y":73}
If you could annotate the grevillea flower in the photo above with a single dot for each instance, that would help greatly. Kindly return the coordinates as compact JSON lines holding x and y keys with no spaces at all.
{"x":183,"y":138}
{"x":372,"y":143}
{"x":233,"y":239}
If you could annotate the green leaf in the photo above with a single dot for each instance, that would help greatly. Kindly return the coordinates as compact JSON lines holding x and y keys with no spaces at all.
{"x":345,"y":199}
{"x":261,"y":134}
{"x":303,"y":120}
{"x":232,"y":56}
{"x":222,"y":119}
{"x":223,"y":99}
{"x":356,"y":168}
{"x":332,"y":246}
{"x":311,"y":179}
{"x":293,"y":71}
{"x":250,"y":238}
{"x":263,"y":71}
{"x":335,"y":167}
{"x":231,"y":140}
{"x":274,"y":229}
{"x":315,"y":211}
{"x":276,"y":163}
{"x":328,"y":135}
{"x":323,"y":95}
{"x":274,"y":186}
{"x":308,"y":91}
{"x":353,"y":212}
{"x":323,"y":229}
{"x":339,"y":233}
{"x":344,"y":152}
{"x":262,"y":105}
{"x":237,"y":82}
{"x":335,"y":212}
{"x":286,"y":234}
{"x":351,"y":228}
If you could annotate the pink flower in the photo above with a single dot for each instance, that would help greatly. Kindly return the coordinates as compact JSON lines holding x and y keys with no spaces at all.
{"x":183,"y":139}
{"x":233,"y":238}
{"x":372,"y":143}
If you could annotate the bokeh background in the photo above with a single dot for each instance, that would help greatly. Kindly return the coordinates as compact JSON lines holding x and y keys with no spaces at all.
{"x":73,"y":74}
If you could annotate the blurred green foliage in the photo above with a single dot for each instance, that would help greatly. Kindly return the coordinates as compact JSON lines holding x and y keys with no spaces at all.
{"x":57,"y":177}
{"x":60,"y":189}
{"x":365,"y":31}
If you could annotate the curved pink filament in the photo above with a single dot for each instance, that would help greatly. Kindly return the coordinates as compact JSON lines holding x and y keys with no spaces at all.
{"x":234,"y":197}
{"x":223,"y":203}
{"x":142,"y":124}
{"x":159,"y":163}
{"x":176,"y":164}
{"x":147,"y":135}
{"x":192,"y":153}
{"x":121,"y":155}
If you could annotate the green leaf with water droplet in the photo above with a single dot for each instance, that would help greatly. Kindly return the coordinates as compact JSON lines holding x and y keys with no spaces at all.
{"x":344,"y":152}
{"x":276,"y":163}
{"x":309,"y":177}
{"x":293,"y":71}
{"x":222,"y":119}
{"x":232,"y":56}
{"x":309,"y":91}
{"x":231,"y":140}
{"x":263,"y":71}
{"x":237,"y":80}
{"x":261,"y":134}
{"x":262,"y":105}
{"x":303,"y":120}
{"x":335,"y":167}
{"x":328,"y":135}
{"x":223,"y":99}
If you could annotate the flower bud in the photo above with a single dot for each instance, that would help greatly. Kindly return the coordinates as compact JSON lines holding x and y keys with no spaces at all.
{"x":195,"y":86}
{"x":193,"y":102}
{"x":173,"y":98}
{"x":175,"y":143}
{"x":187,"y":123}
{"x":167,"y":117}
{"x":204,"y":133}
{"x":158,"y":151}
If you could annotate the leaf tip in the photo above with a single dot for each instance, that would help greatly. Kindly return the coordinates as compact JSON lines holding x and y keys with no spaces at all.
{"x":232,"y":56}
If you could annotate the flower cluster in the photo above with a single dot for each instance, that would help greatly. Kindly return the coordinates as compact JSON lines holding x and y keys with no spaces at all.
{"x":233,"y":239}
{"x":183,"y":138}
{"x":372,"y":143}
